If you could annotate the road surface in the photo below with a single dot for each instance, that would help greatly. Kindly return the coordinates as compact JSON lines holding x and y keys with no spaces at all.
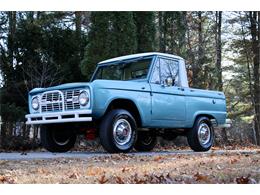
{"x":83,"y":155}
{"x":171,"y":166}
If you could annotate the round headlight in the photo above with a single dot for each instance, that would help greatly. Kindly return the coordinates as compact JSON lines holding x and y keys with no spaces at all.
{"x":35,"y":103}
{"x":83,"y":98}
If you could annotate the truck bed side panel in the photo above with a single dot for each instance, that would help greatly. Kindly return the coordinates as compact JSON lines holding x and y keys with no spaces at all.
{"x":204,"y":102}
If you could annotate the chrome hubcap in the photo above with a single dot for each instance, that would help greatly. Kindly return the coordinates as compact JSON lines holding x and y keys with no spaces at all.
{"x":204,"y":133}
{"x":122,"y":132}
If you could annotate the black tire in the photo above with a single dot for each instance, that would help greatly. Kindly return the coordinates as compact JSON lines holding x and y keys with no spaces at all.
{"x":197,"y":144}
{"x":109,"y":138}
{"x":146,"y":141}
{"x":169,"y":135}
{"x":57,"y":138}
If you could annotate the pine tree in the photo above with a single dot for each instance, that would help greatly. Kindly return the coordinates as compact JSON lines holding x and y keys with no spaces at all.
{"x":98,"y":47}
{"x":111,"y":34}
{"x":123,"y":34}
{"x":145,"y":27}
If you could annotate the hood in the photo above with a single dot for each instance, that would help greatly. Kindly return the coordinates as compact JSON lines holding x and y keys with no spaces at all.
{"x":108,"y":84}
{"x":60,"y":87}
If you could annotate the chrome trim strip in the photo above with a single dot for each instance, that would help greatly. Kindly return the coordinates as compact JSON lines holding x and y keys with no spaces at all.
{"x":227,"y":124}
{"x":48,"y":118}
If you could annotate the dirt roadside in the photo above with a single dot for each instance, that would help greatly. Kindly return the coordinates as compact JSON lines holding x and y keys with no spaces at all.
{"x":227,"y":167}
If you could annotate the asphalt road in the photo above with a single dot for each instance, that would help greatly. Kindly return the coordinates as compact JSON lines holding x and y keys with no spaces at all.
{"x":49,"y":155}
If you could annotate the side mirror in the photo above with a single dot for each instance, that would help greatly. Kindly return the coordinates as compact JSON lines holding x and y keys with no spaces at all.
{"x":169,"y":81}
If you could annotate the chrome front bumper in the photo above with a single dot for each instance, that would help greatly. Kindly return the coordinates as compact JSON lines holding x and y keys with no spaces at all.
{"x":59,"y":117}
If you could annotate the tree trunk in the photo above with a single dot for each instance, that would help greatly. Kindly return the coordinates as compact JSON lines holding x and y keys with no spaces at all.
{"x":78,"y":17}
{"x":165,"y":29}
{"x":248,"y":63}
{"x":257,"y":70}
{"x":78,"y":25}
{"x":255,"y":49}
{"x":173,"y":47}
{"x":218,"y":50}
{"x":197,"y":65}
{"x":161,"y":33}
{"x":10,"y":65}
{"x":11,"y":33}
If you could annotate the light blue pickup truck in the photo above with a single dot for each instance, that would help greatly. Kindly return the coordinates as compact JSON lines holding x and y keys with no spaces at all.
{"x":129,"y":102}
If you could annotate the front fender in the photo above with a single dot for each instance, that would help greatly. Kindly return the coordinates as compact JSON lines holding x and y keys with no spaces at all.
{"x":104,"y":96}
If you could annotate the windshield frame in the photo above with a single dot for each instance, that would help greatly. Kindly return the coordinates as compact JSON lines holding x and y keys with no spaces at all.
{"x":117,"y":63}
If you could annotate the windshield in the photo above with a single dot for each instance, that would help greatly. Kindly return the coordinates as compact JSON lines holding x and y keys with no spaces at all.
{"x":124,"y":71}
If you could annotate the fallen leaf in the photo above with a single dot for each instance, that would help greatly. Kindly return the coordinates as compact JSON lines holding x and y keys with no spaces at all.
{"x":103,"y":179}
{"x":125,"y":169}
{"x":214,"y":148}
{"x":157,"y":158}
{"x":43,"y":171}
{"x":232,"y":161}
{"x":200,"y":177}
{"x":2,"y":178}
{"x":242,"y":180}
{"x":3,"y":162}
{"x":119,"y":180}
{"x":255,"y":161}
{"x":10,"y":181}
{"x":5,"y":179}
{"x":94,"y":171}
{"x":138,"y":181}
{"x":74,"y":176}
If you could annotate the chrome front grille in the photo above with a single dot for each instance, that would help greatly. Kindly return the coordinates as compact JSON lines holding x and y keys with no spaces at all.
{"x":71,"y":99}
{"x":51,"y":101}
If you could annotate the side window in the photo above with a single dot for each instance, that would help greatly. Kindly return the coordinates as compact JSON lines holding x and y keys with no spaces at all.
{"x":169,"y":68}
{"x":174,"y":68}
{"x":165,"y":68}
{"x":156,"y":74}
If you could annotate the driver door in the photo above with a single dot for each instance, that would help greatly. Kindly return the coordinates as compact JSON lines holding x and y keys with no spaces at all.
{"x":168,"y":100}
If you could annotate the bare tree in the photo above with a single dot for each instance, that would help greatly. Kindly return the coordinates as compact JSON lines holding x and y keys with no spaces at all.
{"x":254,"y":28}
{"x":218,"y":49}
{"x":196,"y":67}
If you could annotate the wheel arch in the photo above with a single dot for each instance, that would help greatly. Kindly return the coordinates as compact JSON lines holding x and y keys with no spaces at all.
{"x":127,"y":104}
{"x":209,"y":116}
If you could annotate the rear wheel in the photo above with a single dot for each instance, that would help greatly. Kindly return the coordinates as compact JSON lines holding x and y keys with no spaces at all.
{"x":118,"y":131}
{"x":146,"y":141}
{"x":57,"y":138}
{"x":201,"y":136}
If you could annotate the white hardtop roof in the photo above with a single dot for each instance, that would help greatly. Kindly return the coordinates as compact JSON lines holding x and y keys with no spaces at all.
{"x":137,"y":56}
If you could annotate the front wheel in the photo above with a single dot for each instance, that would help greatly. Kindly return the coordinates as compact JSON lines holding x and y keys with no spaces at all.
{"x":57,"y":138}
{"x":118,"y":131}
{"x":201,"y":136}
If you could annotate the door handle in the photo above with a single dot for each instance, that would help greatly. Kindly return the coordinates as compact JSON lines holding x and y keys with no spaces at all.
{"x":180,"y":88}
